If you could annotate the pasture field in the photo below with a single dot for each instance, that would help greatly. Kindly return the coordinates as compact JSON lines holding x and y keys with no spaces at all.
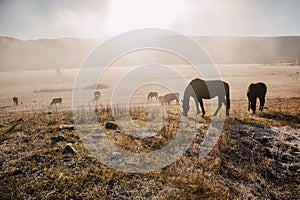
{"x":35,"y":89}
{"x":257,"y":156}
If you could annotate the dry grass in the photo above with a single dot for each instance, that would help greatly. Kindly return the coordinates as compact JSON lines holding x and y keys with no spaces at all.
{"x":242,"y":165}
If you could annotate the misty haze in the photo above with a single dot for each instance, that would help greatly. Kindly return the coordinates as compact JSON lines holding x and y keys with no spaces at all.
{"x":137,"y":132}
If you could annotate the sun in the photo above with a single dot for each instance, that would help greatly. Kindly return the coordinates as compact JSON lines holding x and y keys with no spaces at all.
{"x":132,"y":14}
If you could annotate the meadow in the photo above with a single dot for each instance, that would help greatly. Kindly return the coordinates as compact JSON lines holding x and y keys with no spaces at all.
{"x":256,"y":157}
{"x":36,"y":88}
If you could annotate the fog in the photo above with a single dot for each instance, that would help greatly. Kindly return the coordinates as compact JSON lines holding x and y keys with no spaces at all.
{"x":71,"y":53}
{"x":60,"y":34}
{"x":94,"y":19}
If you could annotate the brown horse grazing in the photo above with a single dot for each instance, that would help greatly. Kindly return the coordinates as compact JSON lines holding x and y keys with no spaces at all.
{"x":97,"y":93}
{"x":56,"y":101}
{"x":200,"y":89}
{"x":256,"y":90}
{"x":16,"y":101}
{"x":97,"y":96}
{"x":151,"y":95}
{"x":161,"y":100}
{"x":166,"y":99}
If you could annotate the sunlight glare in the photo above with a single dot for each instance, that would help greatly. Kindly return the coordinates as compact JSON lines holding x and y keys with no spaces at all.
{"x":133,"y":14}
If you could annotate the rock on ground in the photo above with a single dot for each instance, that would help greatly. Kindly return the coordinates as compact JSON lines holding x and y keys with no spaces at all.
{"x":111,"y":125}
{"x":69,"y":149}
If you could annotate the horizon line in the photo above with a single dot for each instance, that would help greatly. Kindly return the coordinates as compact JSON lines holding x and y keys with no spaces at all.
{"x":188,"y":35}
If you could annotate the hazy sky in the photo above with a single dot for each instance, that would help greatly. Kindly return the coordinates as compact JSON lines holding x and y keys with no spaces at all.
{"x":33,"y":19}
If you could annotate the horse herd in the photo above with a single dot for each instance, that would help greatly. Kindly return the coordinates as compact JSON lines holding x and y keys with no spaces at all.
{"x":54,"y":101}
{"x":166,"y":99}
{"x":199,"y":89}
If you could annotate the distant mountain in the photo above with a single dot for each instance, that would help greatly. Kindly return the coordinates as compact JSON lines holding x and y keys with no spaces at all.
{"x":43,"y":53}
{"x":18,"y":54}
{"x":252,"y":49}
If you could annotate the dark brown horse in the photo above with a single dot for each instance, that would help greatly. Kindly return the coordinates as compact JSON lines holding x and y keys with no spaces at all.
{"x":256,"y":90}
{"x":161,"y":100}
{"x":97,"y":93}
{"x":56,"y":101}
{"x":167,"y":98}
{"x":16,"y":101}
{"x":97,"y":96}
{"x":200,"y":89}
{"x":152,"y":94}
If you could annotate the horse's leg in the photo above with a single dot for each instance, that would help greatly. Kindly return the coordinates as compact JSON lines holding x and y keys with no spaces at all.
{"x":253,"y":105}
{"x":197,"y":106}
{"x":202,"y":107}
{"x":249,"y":104}
{"x":226,"y":106}
{"x":220,"y":100}
{"x":262,"y":103}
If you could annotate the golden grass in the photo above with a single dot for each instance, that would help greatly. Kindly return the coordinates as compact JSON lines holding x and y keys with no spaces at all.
{"x":32,"y":167}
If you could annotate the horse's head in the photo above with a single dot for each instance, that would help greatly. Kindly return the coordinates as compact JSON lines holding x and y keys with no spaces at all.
{"x":185,"y":107}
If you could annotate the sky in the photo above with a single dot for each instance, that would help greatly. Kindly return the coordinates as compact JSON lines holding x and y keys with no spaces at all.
{"x":34,"y":19}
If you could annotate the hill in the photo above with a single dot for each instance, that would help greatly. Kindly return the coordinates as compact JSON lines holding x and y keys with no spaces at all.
{"x":252,"y":49}
{"x":18,"y":54}
{"x":43,"y":53}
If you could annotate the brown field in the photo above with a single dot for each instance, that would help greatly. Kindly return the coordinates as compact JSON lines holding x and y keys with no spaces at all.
{"x":256,"y":157}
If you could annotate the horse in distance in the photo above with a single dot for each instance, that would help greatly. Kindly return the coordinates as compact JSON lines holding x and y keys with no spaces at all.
{"x":56,"y":101}
{"x":152,"y":95}
{"x":200,"y":89}
{"x":97,"y":94}
{"x":16,"y":101}
{"x":161,"y":100}
{"x":167,"y":98}
{"x":254,"y":91}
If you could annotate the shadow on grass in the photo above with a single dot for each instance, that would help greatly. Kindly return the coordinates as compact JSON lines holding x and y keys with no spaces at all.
{"x":236,"y":121}
{"x":281,"y":117}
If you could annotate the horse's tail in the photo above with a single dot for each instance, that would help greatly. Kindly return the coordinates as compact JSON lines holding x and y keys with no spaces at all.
{"x":227,"y":90}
